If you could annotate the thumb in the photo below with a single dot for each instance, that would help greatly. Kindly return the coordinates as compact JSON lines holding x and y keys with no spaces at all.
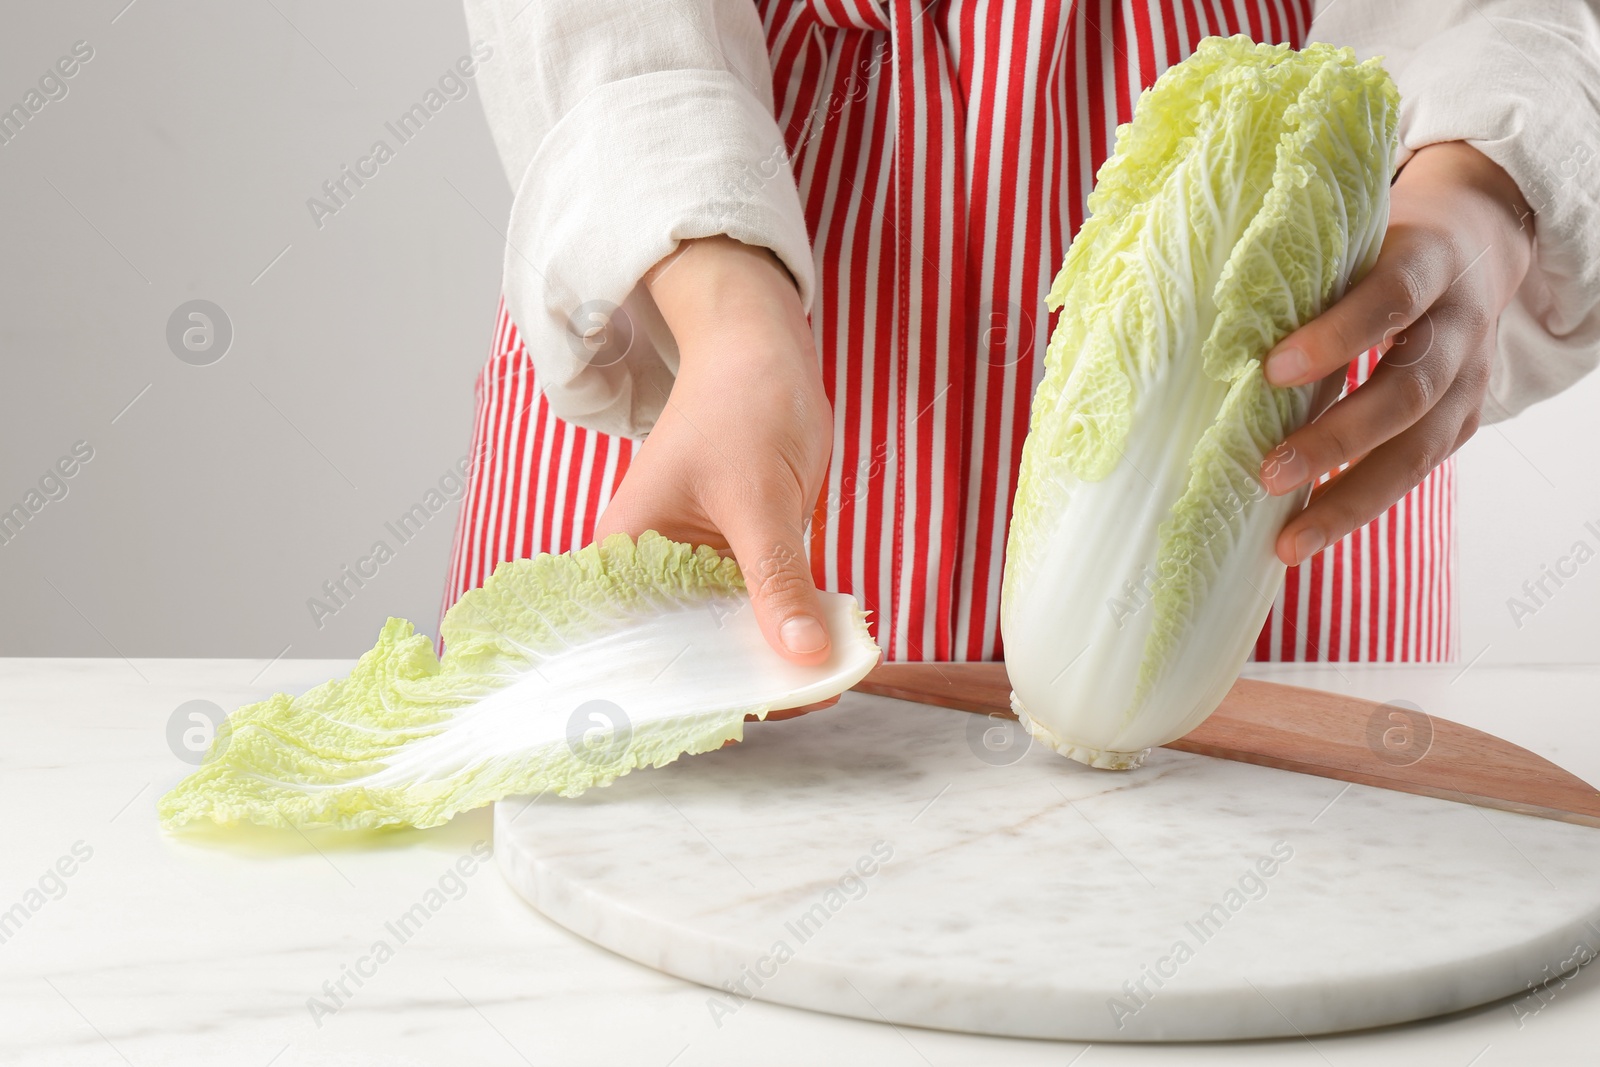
{"x":771,"y":554}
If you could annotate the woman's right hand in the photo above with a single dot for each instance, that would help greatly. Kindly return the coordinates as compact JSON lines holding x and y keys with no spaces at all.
{"x":740,"y":452}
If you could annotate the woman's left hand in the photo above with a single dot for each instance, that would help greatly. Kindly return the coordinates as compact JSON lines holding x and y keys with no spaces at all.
{"x":1460,"y":239}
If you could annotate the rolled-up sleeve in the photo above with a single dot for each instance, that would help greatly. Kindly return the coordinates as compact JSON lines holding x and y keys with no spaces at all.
{"x":1520,"y":81}
{"x":626,"y":127}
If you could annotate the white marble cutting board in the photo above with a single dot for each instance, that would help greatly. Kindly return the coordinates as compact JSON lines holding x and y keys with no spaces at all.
{"x":921,"y":866}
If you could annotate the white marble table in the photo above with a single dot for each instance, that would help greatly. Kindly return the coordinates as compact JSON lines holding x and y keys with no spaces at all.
{"x":161,"y":951}
{"x":901,"y":863}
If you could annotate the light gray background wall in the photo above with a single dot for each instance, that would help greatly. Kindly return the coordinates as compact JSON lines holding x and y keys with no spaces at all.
{"x":178,"y":166}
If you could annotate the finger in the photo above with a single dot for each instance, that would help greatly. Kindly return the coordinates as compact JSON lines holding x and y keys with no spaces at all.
{"x":1371,"y":487}
{"x":1411,"y":272}
{"x":771,"y":553}
{"x":1406,"y":385}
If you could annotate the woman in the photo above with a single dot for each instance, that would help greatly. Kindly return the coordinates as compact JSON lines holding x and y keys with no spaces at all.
{"x":693,"y":177}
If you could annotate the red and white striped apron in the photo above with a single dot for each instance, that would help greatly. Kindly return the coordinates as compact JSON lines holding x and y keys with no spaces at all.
{"x":944,"y":151}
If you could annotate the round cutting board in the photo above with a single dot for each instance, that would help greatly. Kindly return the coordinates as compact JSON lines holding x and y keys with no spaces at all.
{"x":929,"y":867}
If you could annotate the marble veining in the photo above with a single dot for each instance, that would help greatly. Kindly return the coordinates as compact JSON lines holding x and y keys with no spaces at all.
{"x":878,"y":860}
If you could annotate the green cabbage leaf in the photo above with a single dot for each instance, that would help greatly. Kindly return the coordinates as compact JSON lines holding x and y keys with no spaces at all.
{"x":560,"y":674}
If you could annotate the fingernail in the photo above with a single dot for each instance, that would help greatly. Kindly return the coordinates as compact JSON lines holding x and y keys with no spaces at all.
{"x":1288,"y":367}
{"x":1308,"y":543}
{"x":1283,"y":470}
{"x":803,"y":635}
